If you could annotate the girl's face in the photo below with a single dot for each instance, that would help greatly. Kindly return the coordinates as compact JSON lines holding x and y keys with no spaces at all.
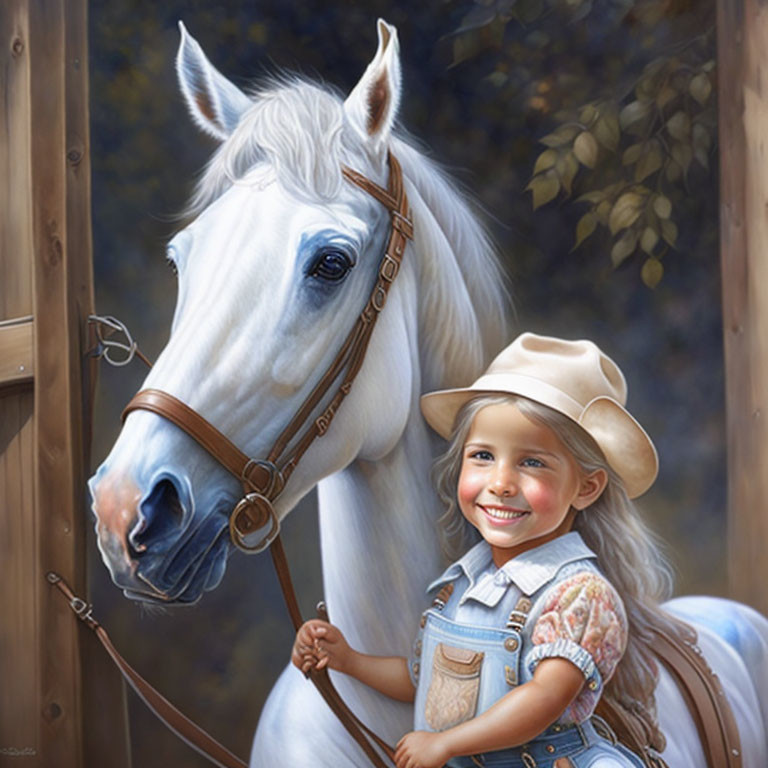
{"x":519,"y":485}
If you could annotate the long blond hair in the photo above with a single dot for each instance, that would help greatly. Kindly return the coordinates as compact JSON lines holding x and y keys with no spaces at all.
{"x":628,"y":552}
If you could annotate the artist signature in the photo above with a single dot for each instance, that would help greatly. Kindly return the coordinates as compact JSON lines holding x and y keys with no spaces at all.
{"x":18,"y":751}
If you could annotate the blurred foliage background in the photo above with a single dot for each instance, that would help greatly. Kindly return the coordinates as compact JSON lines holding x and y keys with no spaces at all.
{"x":586,"y":129}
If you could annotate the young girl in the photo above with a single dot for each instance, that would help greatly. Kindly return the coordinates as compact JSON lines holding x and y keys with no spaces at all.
{"x":551,"y":610}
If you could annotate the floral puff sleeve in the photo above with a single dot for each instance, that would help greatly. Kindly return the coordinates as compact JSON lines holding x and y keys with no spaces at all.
{"x":582,"y":620}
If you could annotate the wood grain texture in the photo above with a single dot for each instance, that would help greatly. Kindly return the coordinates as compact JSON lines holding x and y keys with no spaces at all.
{"x":60,"y":691}
{"x":15,"y":233}
{"x":16,"y":353}
{"x":105,"y":732}
{"x":743,"y":94}
{"x":18,"y":666}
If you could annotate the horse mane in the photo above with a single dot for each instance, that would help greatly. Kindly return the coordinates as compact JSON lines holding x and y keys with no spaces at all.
{"x":296,"y":134}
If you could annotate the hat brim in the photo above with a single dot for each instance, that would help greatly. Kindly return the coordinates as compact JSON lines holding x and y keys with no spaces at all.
{"x":627,"y":447}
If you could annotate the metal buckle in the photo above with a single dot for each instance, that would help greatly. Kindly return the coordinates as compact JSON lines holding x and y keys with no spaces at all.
{"x":275,"y":477}
{"x":82,"y":609}
{"x":389,"y":268}
{"x":240,"y":521}
{"x":379,"y":298}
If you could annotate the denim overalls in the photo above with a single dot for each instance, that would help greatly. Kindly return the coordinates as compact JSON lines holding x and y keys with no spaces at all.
{"x":461,"y":670}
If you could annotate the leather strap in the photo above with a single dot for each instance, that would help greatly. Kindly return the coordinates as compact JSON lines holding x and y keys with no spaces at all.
{"x":177,"y":722}
{"x":705,"y":697}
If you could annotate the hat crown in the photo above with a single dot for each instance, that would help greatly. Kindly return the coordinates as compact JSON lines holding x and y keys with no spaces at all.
{"x":579,"y":369}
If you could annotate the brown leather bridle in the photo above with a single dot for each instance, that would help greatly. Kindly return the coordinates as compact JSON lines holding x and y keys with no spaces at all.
{"x":263,"y":480}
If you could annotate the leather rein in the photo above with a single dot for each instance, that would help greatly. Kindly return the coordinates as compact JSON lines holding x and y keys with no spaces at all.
{"x":253,"y":524}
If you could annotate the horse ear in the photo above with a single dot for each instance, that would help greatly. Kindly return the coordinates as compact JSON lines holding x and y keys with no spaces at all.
{"x":215,"y":103}
{"x":371,"y":108}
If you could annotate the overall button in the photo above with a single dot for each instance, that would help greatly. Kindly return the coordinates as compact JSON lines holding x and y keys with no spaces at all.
{"x":423,"y":622}
{"x":416,"y":669}
{"x":592,"y":685}
{"x":417,"y":649}
{"x":511,"y":644}
{"x":550,"y":748}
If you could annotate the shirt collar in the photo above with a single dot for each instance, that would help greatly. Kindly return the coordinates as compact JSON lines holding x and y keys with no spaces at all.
{"x":529,"y":571}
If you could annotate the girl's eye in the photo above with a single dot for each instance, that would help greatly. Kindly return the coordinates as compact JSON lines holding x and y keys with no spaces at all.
{"x":531,"y":462}
{"x":481,"y":455}
{"x":332,"y":266}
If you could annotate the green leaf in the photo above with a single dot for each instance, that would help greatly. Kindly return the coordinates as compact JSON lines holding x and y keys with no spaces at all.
{"x":632,"y":154}
{"x":700,"y":88}
{"x":662,"y":206}
{"x":585,"y":148}
{"x":682,"y":154}
{"x":607,"y":131}
{"x":679,"y":126}
{"x":585,"y":227}
{"x":602,"y":212}
{"x":479,"y":16}
{"x":498,"y":78}
{"x":545,"y":161}
{"x":545,"y":187}
{"x":652,"y":272}
{"x":650,"y":162}
{"x":669,"y":231}
{"x":565,"y":134}
{"x":633,"y":113}
{"x":567,"y":167}
{"x":623,"y":247}
{"x":595,"y":196}
{"x":588,"y":114}
{"x":625,"y":212}
{"x":648,"y":240}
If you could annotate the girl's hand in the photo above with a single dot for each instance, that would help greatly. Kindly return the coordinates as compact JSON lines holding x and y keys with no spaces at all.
{"x":421,"y":749}
{"x":319,"y":644}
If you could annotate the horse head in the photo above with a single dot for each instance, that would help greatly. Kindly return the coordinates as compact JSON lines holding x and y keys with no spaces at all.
{"x":273,"y":271}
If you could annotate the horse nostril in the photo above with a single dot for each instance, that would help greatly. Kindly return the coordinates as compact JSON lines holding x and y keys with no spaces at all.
{"x":160,"y":516}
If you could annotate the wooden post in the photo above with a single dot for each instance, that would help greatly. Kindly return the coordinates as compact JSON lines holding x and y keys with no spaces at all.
{"x":60,"y":703}
{"x":743,"y":94}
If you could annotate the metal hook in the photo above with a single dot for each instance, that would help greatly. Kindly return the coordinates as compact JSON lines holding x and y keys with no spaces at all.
{"x":105,"y":345}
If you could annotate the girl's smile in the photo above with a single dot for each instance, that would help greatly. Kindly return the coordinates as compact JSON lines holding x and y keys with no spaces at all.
{"x":519,"y":485}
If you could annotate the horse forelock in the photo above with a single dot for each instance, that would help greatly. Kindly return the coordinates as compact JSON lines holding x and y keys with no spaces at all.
{"x":297,"y":129}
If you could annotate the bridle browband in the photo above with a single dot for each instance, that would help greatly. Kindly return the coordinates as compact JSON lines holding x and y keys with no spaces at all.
{"x":264,"y":479}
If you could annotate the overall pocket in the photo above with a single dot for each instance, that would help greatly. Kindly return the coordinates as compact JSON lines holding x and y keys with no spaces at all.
{"x":454,"y":688}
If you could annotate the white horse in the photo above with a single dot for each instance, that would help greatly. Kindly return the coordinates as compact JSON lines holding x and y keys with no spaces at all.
{"x":273,"y":272}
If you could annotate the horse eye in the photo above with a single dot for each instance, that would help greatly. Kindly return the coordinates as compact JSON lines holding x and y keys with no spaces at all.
{"x":332,"y":266}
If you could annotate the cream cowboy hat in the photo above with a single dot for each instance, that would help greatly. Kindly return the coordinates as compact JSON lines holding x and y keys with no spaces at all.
{"x":573,"y":378}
